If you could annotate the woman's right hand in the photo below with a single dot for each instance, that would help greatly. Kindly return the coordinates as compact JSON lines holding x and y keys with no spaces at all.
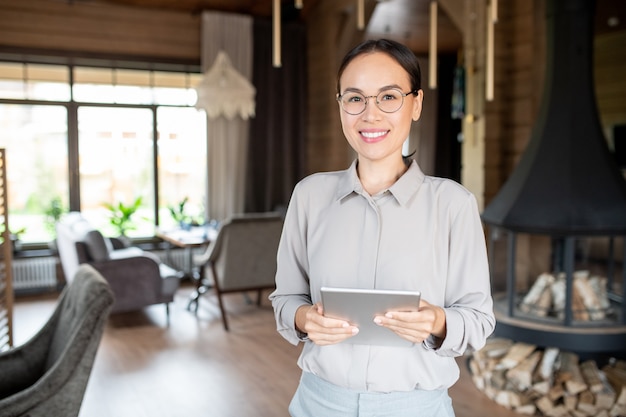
{"x":322,"y":330}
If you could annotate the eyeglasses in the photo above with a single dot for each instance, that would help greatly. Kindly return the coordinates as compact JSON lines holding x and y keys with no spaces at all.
{"x":388,"y":101}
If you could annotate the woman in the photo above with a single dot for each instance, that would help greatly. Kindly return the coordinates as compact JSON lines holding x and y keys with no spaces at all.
{"x":381,"y":224}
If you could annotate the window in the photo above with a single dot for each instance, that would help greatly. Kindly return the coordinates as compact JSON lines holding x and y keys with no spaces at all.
{"x":115,"y":155}
{"x":35,"y":139}
{"x":115,"y":164}
{"x":182,"y":162}
{"x":34,"y":82}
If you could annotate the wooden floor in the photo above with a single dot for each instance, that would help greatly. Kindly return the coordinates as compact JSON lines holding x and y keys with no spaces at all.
{"x":193,"y":368}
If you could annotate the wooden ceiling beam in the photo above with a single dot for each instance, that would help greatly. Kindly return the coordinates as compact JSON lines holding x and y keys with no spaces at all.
{"x":455,"y":9}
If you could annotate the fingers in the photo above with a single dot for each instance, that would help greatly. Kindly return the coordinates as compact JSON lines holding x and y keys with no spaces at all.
{"x":328,"y":335}
{"x":325,"y":330}
{"x":415,"y":326}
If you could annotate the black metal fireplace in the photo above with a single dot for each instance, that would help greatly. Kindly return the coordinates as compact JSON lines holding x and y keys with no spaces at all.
{"x":567,"y":186}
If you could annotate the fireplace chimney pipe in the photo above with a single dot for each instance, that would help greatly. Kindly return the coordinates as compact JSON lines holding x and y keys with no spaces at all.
{"x":567,"y":182}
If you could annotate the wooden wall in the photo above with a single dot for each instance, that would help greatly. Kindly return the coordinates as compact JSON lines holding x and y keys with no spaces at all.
{"x":610,"y":79}
{"x":92,"y":28}
{"x":326,"y":27}
{"x":331,"y":32}
{"x":519,"y":68}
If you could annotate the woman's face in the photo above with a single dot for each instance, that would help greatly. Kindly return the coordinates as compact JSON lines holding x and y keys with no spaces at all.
{"x":374,"y":134}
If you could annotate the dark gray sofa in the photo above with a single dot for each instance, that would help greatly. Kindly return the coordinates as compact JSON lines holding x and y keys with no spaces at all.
{"x":137,"y":278}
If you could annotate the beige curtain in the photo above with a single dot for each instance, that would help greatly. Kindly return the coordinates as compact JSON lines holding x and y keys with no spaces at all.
{"x":227,"y":140}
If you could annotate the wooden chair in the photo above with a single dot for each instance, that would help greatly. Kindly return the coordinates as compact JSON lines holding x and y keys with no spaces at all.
{"x":48,"y":375}
{"x":242,"y":258}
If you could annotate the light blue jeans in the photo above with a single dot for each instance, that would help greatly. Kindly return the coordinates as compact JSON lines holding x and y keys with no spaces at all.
{"x":318,"y":398}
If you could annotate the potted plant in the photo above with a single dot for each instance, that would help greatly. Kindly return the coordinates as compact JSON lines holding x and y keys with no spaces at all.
{"x":53,"y":213}
{"x":120,"y":215}
{"x":178,"y":214}
{"x":16,"y":242}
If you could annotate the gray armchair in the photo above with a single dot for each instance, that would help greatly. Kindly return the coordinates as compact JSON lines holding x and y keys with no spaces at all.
{"x":242,"y":258}
{"x":138,"y":278}
{"x":48,"y":375}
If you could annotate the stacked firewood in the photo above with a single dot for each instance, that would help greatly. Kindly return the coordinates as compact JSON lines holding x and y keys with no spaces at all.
{"x":548,"y":382}
{"x":546,"y":298}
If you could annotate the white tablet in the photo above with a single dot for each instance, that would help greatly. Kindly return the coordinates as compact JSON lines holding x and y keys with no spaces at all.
{"x":360,"y":306}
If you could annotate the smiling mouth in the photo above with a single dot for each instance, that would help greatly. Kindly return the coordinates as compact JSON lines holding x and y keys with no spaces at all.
{"x":373,"y":135}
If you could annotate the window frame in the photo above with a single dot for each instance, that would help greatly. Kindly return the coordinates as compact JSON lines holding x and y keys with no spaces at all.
{"x":72,"y":106}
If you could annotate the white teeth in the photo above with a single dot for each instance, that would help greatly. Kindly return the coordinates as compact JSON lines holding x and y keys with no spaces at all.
{"x":373,"y":134}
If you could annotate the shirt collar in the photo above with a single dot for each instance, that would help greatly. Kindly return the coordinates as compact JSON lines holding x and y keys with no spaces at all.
{"x":403,"y":189}
{"x":349,"y":183}
{"x":407,"y":185}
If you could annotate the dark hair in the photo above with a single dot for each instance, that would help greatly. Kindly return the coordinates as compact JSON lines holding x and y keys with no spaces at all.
{"x":403,"y":55}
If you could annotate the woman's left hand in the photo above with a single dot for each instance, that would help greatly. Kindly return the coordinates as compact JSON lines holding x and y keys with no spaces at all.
{"x":416,"y":326}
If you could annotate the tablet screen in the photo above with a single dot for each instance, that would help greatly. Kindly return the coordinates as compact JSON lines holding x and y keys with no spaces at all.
{"x":360,"y":306}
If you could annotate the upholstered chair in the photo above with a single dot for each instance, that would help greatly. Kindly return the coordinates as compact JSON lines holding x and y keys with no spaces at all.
{"x":242,"y":258}
{"x":47,"y":376}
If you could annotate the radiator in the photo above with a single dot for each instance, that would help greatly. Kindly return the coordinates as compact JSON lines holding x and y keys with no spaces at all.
{"x":178,"y":258}
{"x":34,"y":273}
{"x":40,"y":273}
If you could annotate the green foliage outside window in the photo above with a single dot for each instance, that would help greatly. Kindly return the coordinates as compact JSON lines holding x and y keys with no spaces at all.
{"x":53,"y":212}
{"x":121,"y":215}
